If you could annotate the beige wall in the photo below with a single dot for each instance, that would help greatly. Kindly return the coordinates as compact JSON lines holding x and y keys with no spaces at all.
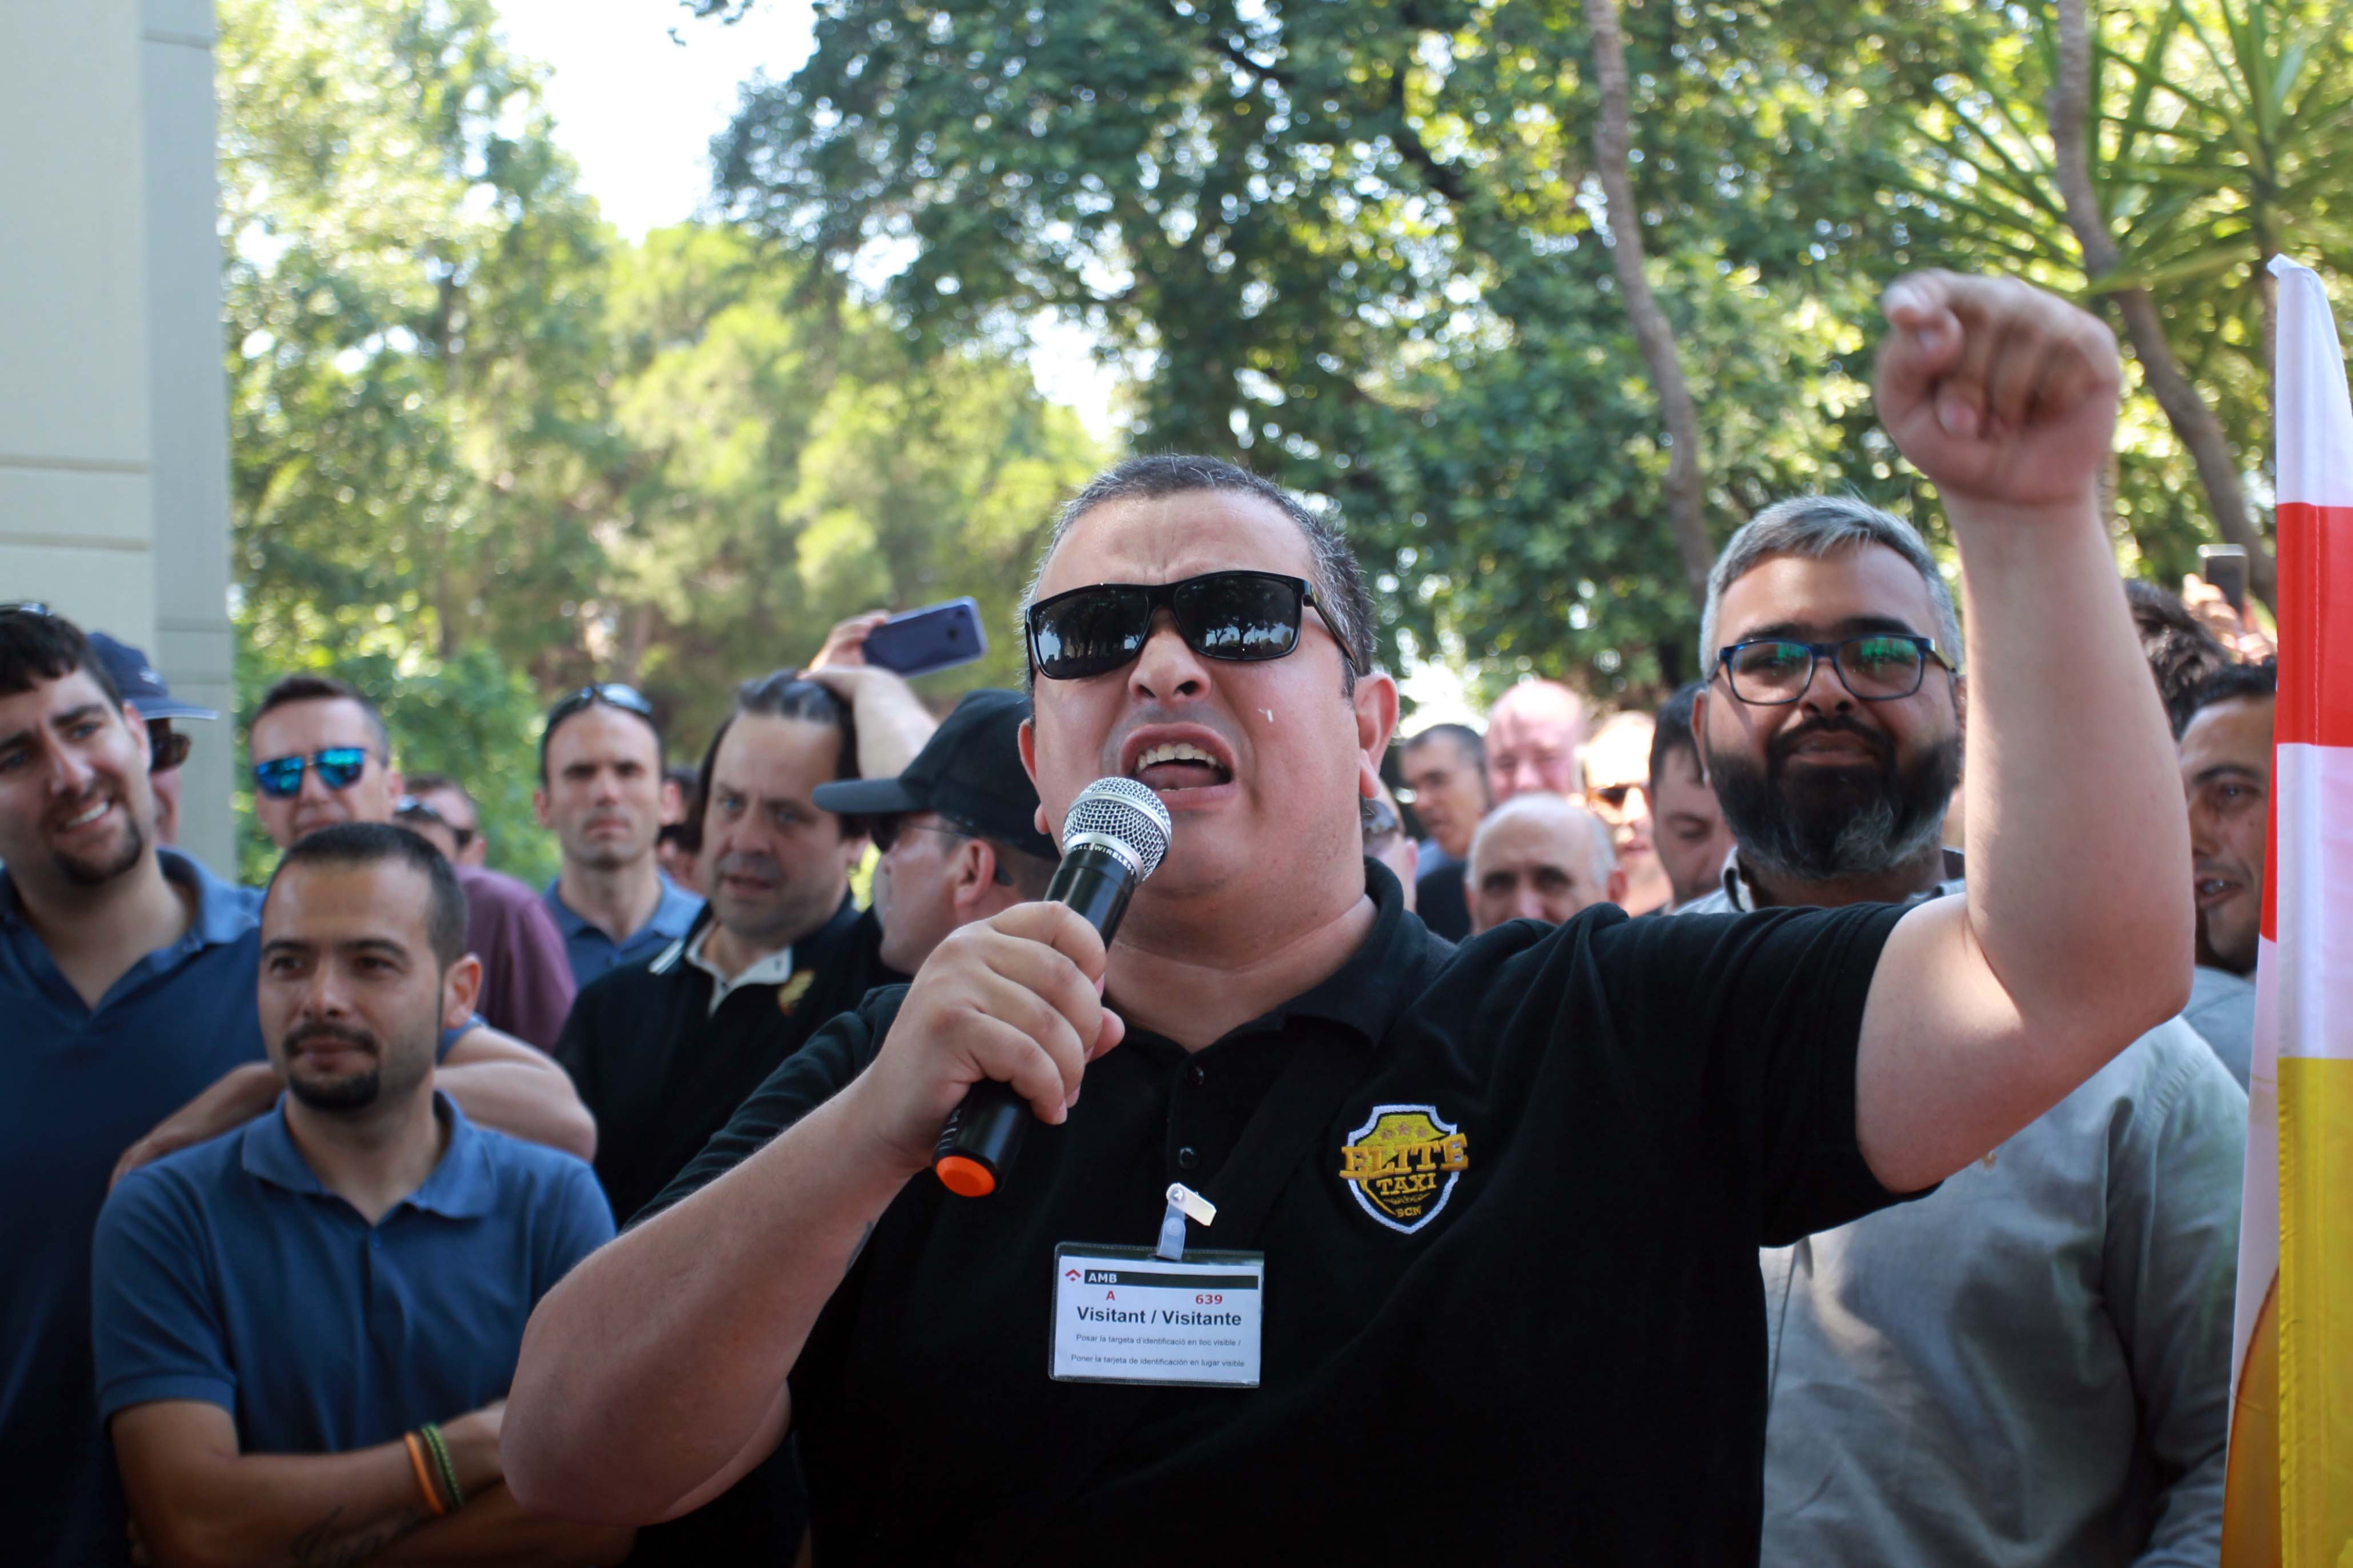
{"x":114,"y":444}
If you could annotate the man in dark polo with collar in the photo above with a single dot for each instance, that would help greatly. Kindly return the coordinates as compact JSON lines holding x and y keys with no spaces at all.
{"x":1479,"y":1269}
{"x":665,"y":1049}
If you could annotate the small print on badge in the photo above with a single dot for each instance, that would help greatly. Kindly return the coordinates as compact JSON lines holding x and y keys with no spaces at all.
{"x":1402,"y":1164}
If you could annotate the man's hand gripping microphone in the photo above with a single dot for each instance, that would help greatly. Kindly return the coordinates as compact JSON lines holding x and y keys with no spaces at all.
{"x":1114,"y":837}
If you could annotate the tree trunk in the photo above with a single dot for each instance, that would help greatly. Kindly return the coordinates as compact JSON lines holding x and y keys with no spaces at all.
{"x":2193,"y":423}
{"x":1652,"y":333}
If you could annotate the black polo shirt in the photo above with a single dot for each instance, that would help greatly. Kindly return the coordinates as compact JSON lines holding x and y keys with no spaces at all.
{"x":1557,"y":1357}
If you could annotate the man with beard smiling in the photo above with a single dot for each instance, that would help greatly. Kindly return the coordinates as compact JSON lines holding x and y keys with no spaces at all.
{"x":1485,"y":1218}
{"x":287,"y":1317}
{"x":2226,"y":772}
{"x":2031,"y":1364}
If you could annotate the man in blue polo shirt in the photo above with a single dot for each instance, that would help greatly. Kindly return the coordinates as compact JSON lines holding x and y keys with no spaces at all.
{"x":304,"y":1329}
{"x":127,"y":978}
{"x":600,"y":788}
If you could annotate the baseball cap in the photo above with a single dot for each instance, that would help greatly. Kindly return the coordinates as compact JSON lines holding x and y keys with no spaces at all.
{"x":969,"y":771}
{"x":139,"y":683}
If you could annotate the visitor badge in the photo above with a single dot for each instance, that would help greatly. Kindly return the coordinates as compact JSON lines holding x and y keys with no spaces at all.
{"x":1125,"y":1314}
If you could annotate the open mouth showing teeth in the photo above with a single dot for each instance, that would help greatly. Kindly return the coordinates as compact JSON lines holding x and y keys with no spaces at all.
{"x":1177,"y":765}
{"x":83,"y":819}
{"x":2214,"y":890}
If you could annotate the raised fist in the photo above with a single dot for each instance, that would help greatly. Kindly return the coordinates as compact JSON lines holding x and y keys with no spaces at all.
{"x":2000,"y":392}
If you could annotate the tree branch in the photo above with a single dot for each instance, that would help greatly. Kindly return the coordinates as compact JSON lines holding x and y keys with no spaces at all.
{"x":2193,"y":423}
{"x":1652,"y":333}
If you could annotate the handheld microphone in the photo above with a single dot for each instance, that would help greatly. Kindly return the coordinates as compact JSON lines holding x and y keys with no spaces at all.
{"x":1114,"y":837}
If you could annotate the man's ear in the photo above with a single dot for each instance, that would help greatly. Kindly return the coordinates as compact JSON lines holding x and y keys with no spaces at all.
{"x":1375,"y":702}
{"x":1699,"y":734}
{"x":1025,"y":737}
{"x":460,"y":988}
{"x":972,"y":877}
{"x":1617,"y":885}
{"x":395,"y":786}
{"x":539,"y":807}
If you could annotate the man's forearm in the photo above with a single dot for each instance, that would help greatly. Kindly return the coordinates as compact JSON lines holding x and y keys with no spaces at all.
{"x":519,"y":1091}
{"x":2076,"y":835}
{"x":494,"y":1529}
{"x":303,"y":1510}
{"x":232,"y":1101}
{"x":650,"y":1375}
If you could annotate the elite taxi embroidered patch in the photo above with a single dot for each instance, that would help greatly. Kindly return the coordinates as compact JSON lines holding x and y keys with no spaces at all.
{"x":1402,"y":1164}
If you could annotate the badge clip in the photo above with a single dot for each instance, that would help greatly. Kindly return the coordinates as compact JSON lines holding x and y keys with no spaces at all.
{"x":1183,"y":1204}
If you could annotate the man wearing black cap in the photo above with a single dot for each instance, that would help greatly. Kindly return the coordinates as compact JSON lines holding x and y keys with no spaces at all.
{"x":166,"y":748}
{"x":958,"y":829}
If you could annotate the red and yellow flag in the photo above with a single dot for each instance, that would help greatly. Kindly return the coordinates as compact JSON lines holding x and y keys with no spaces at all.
{"x":2290,"y":1496}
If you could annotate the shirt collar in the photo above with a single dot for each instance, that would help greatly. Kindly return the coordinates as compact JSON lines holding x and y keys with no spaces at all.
{"x":461,"y":1186}
{"x":673,"y":917}
{"x":1385,"y":973}
{"x":1740,"y":889}
{"x":813,"y":953}
{"x":224,"y":911}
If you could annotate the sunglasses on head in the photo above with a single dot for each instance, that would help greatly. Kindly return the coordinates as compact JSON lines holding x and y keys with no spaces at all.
{"x":409,"y":808}
{"x":33,"y":607}
{"x":1245,"y":617}
{"x":340,"y":767}
{"x":612,"y":693}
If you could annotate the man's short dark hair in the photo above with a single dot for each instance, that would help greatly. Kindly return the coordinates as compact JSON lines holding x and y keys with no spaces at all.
{"x":781,"y":694}
{"x":1467,"y":741}
{"x":1338,"y":580}
{"x":426,"y":783}
{"x":309,"y":688}
{"x":1672,"y":730}
{"x":2231,"y":683}
{"x":370,"y":843}
{"x":2182,"y":654}
{"x":38,"y":645}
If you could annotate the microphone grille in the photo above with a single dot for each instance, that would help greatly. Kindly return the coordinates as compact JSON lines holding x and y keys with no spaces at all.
{"x":1126,"y":809}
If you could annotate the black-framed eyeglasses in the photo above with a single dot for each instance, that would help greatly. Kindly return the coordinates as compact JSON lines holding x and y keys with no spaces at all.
{"x":612,"y":693}
{"x":340,"y":767}
{"x":1879,"y":667}
{"x":1245,"y":617}
{"x":414,"y":808}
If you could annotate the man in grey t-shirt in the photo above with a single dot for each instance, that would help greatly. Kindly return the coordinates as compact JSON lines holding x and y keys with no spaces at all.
{"x":2031,"y":1364}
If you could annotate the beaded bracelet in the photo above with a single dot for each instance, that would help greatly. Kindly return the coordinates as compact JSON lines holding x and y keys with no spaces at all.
{"x":441,"y":1461}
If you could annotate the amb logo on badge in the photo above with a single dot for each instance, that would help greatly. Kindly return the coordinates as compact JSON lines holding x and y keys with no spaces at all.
{"x":1403,"y":1165}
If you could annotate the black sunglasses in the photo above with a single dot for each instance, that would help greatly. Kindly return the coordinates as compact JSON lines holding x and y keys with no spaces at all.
{"x":1880,"y":666}
{"x":1245,"y":617}
{"x":166,"y":747}
{"x":29,"y":608}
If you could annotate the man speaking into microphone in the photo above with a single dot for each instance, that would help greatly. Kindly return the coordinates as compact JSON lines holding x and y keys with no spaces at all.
{"x":1477,"y":1275}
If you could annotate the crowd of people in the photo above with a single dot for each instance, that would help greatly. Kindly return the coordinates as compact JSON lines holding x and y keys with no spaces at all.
{"x":1686,"y":1015}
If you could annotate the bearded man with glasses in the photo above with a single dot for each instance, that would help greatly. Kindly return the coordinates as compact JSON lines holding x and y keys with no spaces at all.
{"x":1476,"y":1226}
{"x":2045,"y":1342}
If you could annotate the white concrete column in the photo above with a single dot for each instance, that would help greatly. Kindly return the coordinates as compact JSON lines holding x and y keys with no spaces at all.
{"x":75,"y":455}
{"x":195,"y":648}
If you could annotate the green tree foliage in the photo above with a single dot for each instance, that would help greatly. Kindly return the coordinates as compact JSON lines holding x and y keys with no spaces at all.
{"x":483,"y":451}
{"x":1361,"y":246}
{"x":1357,"y":246}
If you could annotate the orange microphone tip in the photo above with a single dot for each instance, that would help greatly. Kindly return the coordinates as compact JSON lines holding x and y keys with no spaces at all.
{"x":965,"y":1176}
